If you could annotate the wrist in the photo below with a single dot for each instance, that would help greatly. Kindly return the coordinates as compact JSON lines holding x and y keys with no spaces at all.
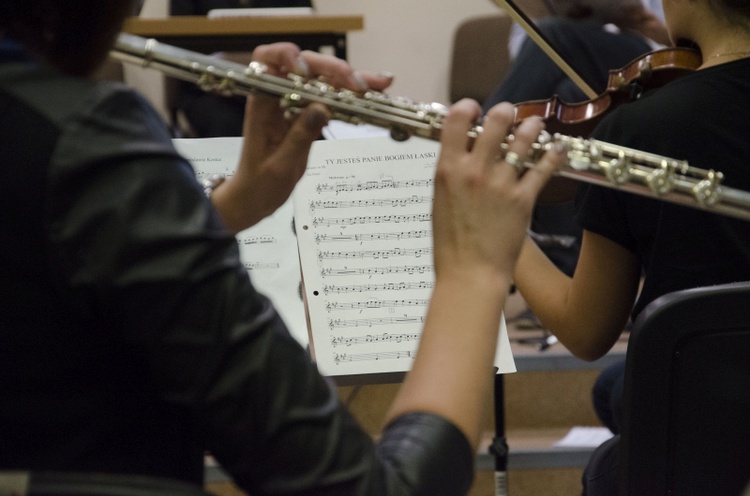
{"x":483,"y":281}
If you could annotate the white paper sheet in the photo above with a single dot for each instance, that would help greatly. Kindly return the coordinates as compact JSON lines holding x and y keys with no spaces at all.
{"x":584,"y":437}
{"x":364,"y":228}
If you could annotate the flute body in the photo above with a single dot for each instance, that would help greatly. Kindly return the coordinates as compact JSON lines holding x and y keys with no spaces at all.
{"x":588,"y":160}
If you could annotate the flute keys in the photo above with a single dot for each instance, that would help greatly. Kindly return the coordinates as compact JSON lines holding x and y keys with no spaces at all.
{"x":582,"y":154}
{"x":661,"y":181}
{"x":706,"y":191}
{"x":617,"y":170}
{"x":256,"y":68}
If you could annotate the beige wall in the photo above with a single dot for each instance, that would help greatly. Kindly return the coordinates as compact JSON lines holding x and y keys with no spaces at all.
{"x":410,"y":38}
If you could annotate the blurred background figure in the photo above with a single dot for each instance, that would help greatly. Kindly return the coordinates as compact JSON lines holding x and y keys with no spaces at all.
{"x":206,"y":115}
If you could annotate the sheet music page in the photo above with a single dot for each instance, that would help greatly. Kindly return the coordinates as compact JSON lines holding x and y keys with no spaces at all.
{"x":364,"y":226}
{"x":269,"y":248}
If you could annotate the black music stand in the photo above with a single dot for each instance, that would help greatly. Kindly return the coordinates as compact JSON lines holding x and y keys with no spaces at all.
{"x":499,"y":445}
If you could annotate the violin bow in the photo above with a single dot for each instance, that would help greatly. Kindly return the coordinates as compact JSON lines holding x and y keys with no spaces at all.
{"x":523,"y":20}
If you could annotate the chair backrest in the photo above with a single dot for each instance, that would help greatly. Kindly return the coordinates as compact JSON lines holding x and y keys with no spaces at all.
{"x":686,"y":417}
{"x":91,"y":484}
{"x":480,"y":57}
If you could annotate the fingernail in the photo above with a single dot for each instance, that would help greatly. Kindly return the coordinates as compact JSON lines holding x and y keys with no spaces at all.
{"x":301,"y":67}
{"x":359,"y":82}
{"x":315,"y":119}
{"x":385,"y":74}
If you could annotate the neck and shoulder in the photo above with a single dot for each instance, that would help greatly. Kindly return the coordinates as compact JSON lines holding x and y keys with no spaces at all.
{"x":719,"y":28}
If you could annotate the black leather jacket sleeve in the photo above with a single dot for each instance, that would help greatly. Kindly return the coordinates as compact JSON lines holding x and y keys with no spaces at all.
{"x":135,"y":241}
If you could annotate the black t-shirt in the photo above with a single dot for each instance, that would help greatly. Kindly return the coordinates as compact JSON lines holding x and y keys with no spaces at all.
{"x":701,"y":118}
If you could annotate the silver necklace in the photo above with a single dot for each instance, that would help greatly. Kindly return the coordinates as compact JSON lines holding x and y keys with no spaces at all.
{"x":743,"y":53}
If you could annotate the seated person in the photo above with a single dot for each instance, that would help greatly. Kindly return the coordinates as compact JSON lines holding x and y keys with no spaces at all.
{"x":132,"y":339}
{"x":647,"y":18}
{"x":635,"y":249}
{"x":207,"y":114}
{"x":583,"y":35}
{"x":583,"y":38}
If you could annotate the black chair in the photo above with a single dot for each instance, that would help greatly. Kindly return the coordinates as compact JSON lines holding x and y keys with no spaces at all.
{"x":91,"y":484}
{"x":686,"y":417}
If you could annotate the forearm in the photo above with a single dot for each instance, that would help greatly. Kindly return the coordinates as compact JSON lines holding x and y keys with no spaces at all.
{"x":544,"y":287}
{"x":587,"y":312}
{"x":452,"y":373}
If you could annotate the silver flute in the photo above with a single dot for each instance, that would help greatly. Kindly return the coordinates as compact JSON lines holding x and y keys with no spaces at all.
{"x":588,"y":160}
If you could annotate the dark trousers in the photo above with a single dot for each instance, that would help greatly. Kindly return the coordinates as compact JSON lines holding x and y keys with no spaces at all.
{"x":607,"y":396}
{"x":601,"y":478}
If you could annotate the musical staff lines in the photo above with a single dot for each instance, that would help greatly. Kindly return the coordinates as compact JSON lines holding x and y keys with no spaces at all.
{"x":381,"y":355}
{"x":386,"y":286}
{"x":341,"y":187}
{"x":256,"y":240}
{"x":381,"y":236}
{"x":373,"y":338}
{"x":362,"y":254}
{"x":261,"y":265}
{"x":370,"y":219}
{"x":369,"y":203}
{"x":201,"y":174}
{"x":346,"y":323}
{"x":332,"y":306}
{"x":369,"y":271}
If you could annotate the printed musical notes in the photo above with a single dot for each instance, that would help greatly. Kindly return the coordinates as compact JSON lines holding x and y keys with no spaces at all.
{"x":369,"y":185}
{"x":381,"y":236}
{"x":382,"y":355}
{"x":373,"y":338}
{"x":332,"y":306}
{"x":364,"y":213}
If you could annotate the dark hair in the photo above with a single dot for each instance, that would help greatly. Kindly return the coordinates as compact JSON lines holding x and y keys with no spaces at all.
{"x":73,"y":35}
{"x":736,"y":12}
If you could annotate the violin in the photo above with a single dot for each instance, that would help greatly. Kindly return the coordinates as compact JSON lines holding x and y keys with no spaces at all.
{"x":649,"y":71}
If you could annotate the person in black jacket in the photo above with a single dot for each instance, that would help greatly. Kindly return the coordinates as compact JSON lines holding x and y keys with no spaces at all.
{"x":131,"y":338}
